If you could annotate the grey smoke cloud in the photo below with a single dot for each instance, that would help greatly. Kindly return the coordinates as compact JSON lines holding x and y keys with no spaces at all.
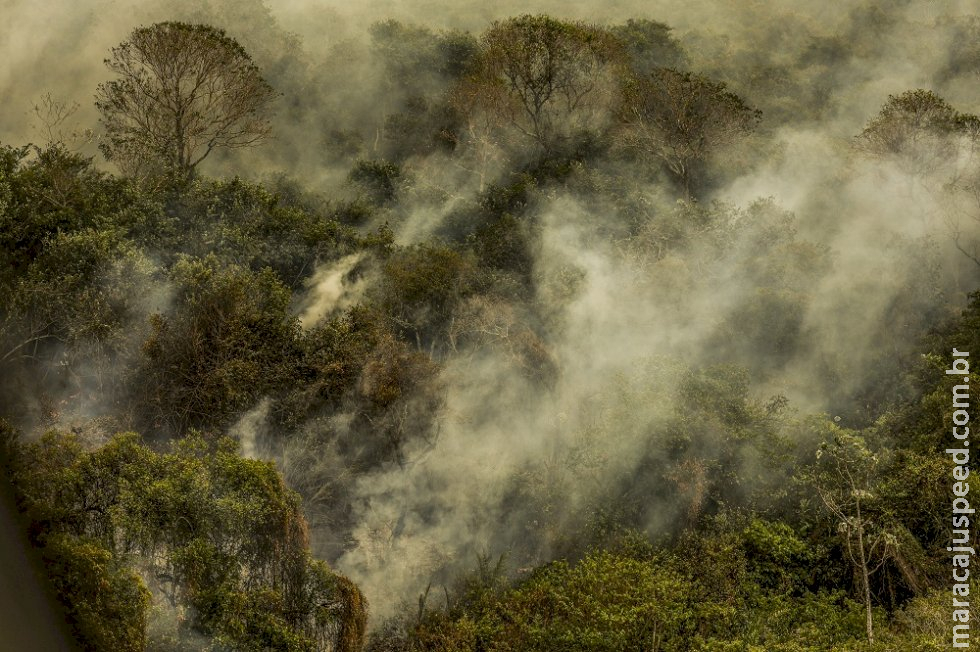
{"x":622,"y":318}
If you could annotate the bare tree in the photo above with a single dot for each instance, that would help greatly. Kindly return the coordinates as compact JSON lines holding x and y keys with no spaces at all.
{"x":181,"y":92}
{"x":54,"y":123}
{"x":680,"y":119}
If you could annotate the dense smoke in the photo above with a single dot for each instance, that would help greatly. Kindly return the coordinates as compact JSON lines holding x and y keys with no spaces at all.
{"x":550,"y":401}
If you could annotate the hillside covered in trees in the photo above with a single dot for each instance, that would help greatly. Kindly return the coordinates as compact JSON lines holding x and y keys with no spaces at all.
{"x":445,"y":327}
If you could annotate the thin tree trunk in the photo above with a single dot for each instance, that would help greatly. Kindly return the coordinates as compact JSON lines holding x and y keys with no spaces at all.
{"x":864,"y":576}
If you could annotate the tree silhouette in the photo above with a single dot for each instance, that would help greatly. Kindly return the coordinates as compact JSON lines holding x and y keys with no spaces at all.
{"x":181,"y":92}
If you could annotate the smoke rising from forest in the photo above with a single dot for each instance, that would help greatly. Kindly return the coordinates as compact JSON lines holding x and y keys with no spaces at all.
{"x":549,"y":395}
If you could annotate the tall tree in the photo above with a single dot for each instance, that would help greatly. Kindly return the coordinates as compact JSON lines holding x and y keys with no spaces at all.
{"x":938,"y":147}
{"x":680,"y":119}
{"x":549,"y":81}
{"x":918,"y":130}
{"x":181,"y":92}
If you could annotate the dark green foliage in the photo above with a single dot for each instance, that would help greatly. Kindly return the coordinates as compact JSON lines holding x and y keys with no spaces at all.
{"x":649,"y":45}
{"x":422,"y":285}
{"x":415,"y":56}
{"x":419,"y":65}
{"x":512,"y":197}
{"x":354,"y":362}
{"x":505,"y":244}
{"x":228,"y":340}
{"x":246,"y":224}
{"x":199,"y":524}
{"x":105,"y":601}
{"x":497,"y":304}
{"x":378,"y":180}
{"x":615,"y":601}
{"x":423,"y":128}
{"x":82,"y":287}
{"x":44,"y":192}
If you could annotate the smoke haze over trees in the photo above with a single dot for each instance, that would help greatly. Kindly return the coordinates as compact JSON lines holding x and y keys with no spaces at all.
{"x":501,"y":326}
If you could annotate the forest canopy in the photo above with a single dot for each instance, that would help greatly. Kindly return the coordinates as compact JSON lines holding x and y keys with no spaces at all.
{"x":490,"y":328}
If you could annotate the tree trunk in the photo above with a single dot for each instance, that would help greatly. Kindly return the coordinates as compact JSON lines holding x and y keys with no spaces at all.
{"x":864,"y":577}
